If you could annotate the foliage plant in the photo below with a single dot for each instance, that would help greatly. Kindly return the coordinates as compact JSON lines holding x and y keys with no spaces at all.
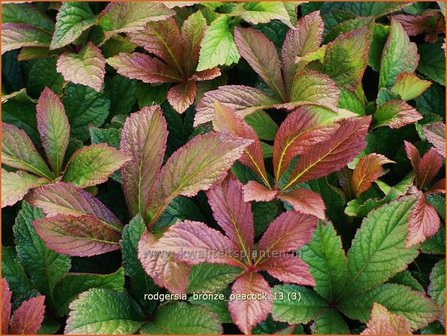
{"x":223,"y":168}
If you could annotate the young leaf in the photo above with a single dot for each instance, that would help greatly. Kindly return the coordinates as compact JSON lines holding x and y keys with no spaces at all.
{"x":382,"y":322}
{"x":424,"y":222}
{"x":425,"y":168}
{"x":182,"y":95}
{"x":54,"y":129}
{"x":315,"y":87}
{"x":399,"y":55}
{"x":6,"y":306}
{"x":246,"y":313}
{"x":15,"y":185}
{"x":435,"y":134}
{"x":396,"y":114}
{"x":143,"y":139}
{"x":88,"y":67}
{"x":28,"y":318}
{"x":72,"y":20}
{"x":253,"y":191}
{"x":408,"y":86}
{"x":19,"y":152}
{"x":93,"y":165}
{"x":305,"y":201}
{"x":102,"y":311}
{"x":18,"y":35}
{"x":193,"y":30}
{"x":264,"y":12}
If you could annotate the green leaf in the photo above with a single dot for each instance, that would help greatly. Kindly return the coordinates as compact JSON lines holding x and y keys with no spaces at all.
{"x":14,"y":273}
{"x":264,"y":126}
{"x":378,"y":42}
{"x":330,"y":322}
{"x":437,"y":283}
{"x":296,"y":304}
{"x":182,"y":318}
{"x":26,"y":13}
{"x":110,"y":136}
{"x":398,"y":299}
{"x":211,"y":278}
{"x":432,"y":63}
{"x":264,"y":12}
{"x":405,"y":278}
{"x":122,"y":94}
{"x":378,"y":250}
{"x":148,"y":94}
{"x":72,"y":284}
{"x":43,"y":74}
{"x":327,"y":261}
{"x":44,"y":266}
{"x":435,"y":244}
{"x":72,"y":20}
{"x":220,"y":307}
{"x":218,"y":47}
{"x":102,"y":311}
{"x":351,"y":101}
{"x":408,"y":86}
{"x":395,"y":114}
{"x":263,"y":214}
{"x":84,"y":107}
{"x":18,"y":35}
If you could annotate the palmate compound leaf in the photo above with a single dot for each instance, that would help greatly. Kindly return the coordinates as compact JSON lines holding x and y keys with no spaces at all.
{"x":15,"y":185}
{"x":382,"y":322}
{"x":103,"y":311}
{"x":28,"y":318}
{"x":54,"y":129}
{"x":182,"y":318}
{"x":87,"y":67}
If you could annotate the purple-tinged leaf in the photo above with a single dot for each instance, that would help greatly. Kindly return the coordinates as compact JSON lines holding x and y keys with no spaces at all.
{"x":143,"y":139}
{"x":19,"y":152}
{"x":382,"y":322}
{"x":182,"y":95}
{"x":253,"y":191}
{"x":206,"y":74}
{"x":305,"y":201}
{"x":288,"y":268}
{"x":143,"y":67}
{"x":6,"y":306}
{"x":261,"y":54}
{"x":193,"y":30}
{"x":18,"y":35}
{"x":53,"y":127}
{"x":88,"y":67}
{"x":15,"y":185}
{"x":93,"y":165}
{"x":396,"y":114}
{"x":28,"y":318}
{"x":80,"y":236}
{"x":435,"y":134}
{"x":315,"y":87}
{"x":425,"y":168}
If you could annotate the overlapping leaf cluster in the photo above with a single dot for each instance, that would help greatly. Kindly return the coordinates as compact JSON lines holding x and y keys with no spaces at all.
{"x":283,"y":160}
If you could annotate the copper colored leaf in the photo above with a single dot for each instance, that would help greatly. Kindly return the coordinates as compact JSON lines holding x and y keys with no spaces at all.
{"x":54,"y":129}
{"x":28,"y":318}
{"x":246,"y":313}
{"x":305,"y":201}
{"x":253,"y":191}
{"x":93,"y":165}
{"x":408,"y":86}
{"x":424,"y":222}
{"x":435,"y":134}
{"x":15,"y":185}
{"x":87,"y":67}
{"x":396,"y":114}
{"x":382,"y":322}
{"x":144,"y":139}
{"x":312,"y":86}
{"x":424,"y":168}
{"x":6,"y":306}
{"x":143,"y":67}
{"x":193,"y":30}
{"x":368,"y":169}
{"x":18,"y":35}
{"x":182,"y":95}
{"x":80,"y":236}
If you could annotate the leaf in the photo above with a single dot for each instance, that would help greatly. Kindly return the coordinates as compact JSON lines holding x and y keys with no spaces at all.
{"x":218,"y":47}
{"x":332,"y":154}
{"x":296,"y":304}
{"x":122,"y":93}
{"x":88,"y":67}
{"x":425,"y":168}
{"x":382,"y":322}
{"x":368,"y":169}
{"x":305,"y":201}
{"x":384,"y":231}
{"x":192,"y":31}
{"x":312,"y":86}
{"x":182,"y":95}
{"x":143,"y":67}
{"x":26,"y":13}
{"x":253,"y":191}
{"x":73,"y":284}
{"x":128,"y":17}
{"x":93,"y":165}
{"x":424,"y":222}
{"x":264,"y":12}
{"x":432,"y":63}
{"x":19,"y":152}
{"x":346,"y":58}
{"x":15,"y":185}
{"x":436,"y":288}
{"x":18,"y":35}
{"x":143,"y":139}
{"x":264,"y":126}
{"x":44,"y":266}
{"x":246,"y":313}
{"x":211,"y":278}
{"x":261,"y":54}
{"x":6,"y":306}
{"x":330,"y":322}
{"x":408,"y":86}
{"x":14,"y":273}
{"x":28,"y":318}
{"x":71,"y":21}
{"x":102,"y":311}
{"x":54,"y":129}
{"x":396,"y":114}
{"x":435,"y":134}
{"x":182,"y":318}
{"x":399,"y":55}
{"x":80,"y":236}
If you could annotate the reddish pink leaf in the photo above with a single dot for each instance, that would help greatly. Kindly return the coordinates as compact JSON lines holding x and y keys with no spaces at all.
{"x":261,"y":54}
{"x":438,"y":187}
{"x":430,"y":22}
{"x":206,"y":74}
{"x":6,"y":306}
{"x":331,"y":155}
{"x":232,"y":214}
{"x":193,"y":30}
{"x":396,"y":114}
{"x":304,"y":39}
{"x":182,"y":95}
{"x":298,"y":134}
{"x":226,"y":120}
{"x":54,"y":129}
{"x":248,"y":313}
{"x":306,"y":201}
{"x":368,"y":169}
{"x":144,"y":139}
{"x":288,"y":268}
{"x":425,"y":168}
{"x":162,"y":267}
{"x":253,"y":191}
{"x":435,"y":134}
{"x":424,"y":222}
{"x":143,"y":67}
{"x":243,"y":99}
{"x":80,"y":236}
{"x":28,"y":318}
{"x":289,"y":231}
{"x":382,"y":322}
